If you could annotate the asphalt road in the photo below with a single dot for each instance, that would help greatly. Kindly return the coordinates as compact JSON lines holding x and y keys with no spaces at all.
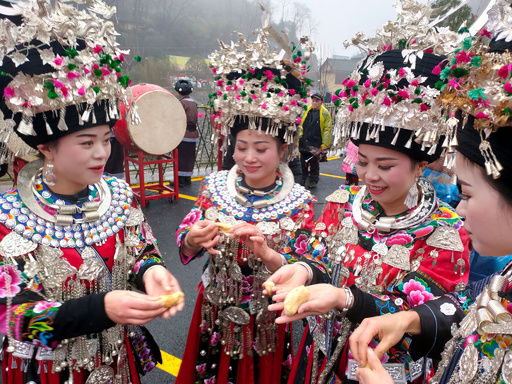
{"x":164,"y":217}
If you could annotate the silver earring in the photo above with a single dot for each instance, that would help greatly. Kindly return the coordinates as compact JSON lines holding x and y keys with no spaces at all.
{"x":411,"y":200}
{"x":49,"y":177}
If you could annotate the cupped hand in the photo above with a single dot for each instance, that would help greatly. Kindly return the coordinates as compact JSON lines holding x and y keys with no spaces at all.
{"x":159,"y":281}
{"x":204,"y":234}
{"x":374,"y":373}
{"x":126,"y":307}
{"x":390,"y":329}
{"x":288,"y":277}
{"x":322,"y":298}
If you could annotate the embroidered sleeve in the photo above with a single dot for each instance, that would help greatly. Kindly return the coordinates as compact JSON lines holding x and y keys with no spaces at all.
{"x":195,"y":215}
{"x":44,"y":323}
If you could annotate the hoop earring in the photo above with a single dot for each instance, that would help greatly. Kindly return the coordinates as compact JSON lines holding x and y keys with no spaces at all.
{"x":411,"y":200}
{"x":49,"y":177}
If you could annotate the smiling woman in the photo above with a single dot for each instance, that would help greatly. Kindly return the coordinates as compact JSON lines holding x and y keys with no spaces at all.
{"x":72,"y":243}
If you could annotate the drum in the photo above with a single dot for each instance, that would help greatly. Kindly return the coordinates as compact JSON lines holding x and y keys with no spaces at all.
{"x":163,"y":121}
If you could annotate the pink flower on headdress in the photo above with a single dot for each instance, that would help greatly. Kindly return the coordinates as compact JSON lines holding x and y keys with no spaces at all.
{"x":58,"y":60}
{"x":268,"y":73}
{"x":294,"y":103}
{"x":437,"y":69}
{"x":305,"y":101}
{"x":507,"y":87}
{"x":105,"y":71}
{"x":386,"y":47}
{"x":241,"y":81}
{"x":214,"y":70}
{"x":503,"y":72}
{"x":281,"y":94}
{"x":368,"y":83}
{"x":264,"y":88}
{"x":343,"y":94}
{"x":220,"y":83}
{"x":414,"y":83}
{"x":264,"y":106}
{"x":374,"y":91}
{"x":387,"y":101}
{"x":453,"y":83}
{"x":228,"y":88}
{"x":350,"y":83}
{"x":463,"y":57}
{"x":292,"y":92}
{"x":424,"y":107}
{"x":285,"y":108}
{"x":237,"y":97}
{"x":403,"y":94}
{"x":72,"y":75}
{"x":351,"y":108}
{"x":81,"y":91}
{"x":235,"y":88}
{"x":298,"y":121}
{"x":353,"y":93}
{"x":27,"y":104}
{"x":481,"y":115}
{"x":334,"y":97}
{"x":219,"y":93}
{"x":485,"y":32}
{"x":402,"y":72}
{"x":252,"y":71}
{"x":9,"y":92}
{"x":254,"y":97}
{"x":97,"y":49}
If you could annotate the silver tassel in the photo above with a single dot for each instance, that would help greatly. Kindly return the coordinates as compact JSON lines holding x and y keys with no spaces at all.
{"x":26,"y":127}
{"x":393,"y":142}
{"x":62,"y":120}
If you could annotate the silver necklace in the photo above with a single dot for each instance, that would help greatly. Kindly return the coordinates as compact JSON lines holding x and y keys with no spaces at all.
{"x":370,"y":223}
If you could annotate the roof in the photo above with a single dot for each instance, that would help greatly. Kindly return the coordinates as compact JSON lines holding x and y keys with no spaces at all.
{"x":346,"y":65}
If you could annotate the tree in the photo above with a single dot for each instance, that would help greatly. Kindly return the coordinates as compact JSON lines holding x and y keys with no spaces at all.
{"x":455,"y":20}
{"x":197,"y":67}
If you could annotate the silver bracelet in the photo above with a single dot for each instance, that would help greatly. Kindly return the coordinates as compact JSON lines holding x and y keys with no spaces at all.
{"x":283,"y":260}
{"x":308,"y":268}
{"x":349,"y":299}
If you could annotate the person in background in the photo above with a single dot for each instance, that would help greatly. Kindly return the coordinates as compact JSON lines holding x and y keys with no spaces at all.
{"x":349,"y":164}
{"x":187,"y":147}
{"x":315,"y":136}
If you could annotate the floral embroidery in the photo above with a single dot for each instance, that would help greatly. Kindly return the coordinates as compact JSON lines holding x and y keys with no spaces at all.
{"x":417,"y":292}
{"x":34,"y":326}
{"x":14,"y":286}
{"x":194,"y":216}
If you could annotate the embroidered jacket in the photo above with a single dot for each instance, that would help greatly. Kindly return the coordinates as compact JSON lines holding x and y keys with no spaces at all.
{"x":54,"y":278}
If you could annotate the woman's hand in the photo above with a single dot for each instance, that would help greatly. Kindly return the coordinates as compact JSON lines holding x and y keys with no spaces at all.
{"x":159,"y":281}
{"x":203,"y":234}
{"x":126,"y":307}
{"x":288,"y":277}
{"x":390,"y":329}
{"x":374,"y":373}
{"x":322,"y":298}
{"x":253,"y":239}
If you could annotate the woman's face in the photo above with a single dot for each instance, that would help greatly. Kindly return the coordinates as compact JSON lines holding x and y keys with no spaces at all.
{"x":258,"y":157}
{"x":488,"y":218}
{"x":79,"y":158}
{"x":388,"y":176}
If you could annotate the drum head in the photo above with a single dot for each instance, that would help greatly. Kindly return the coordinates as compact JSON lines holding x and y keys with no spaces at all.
{"x":163,"y":120}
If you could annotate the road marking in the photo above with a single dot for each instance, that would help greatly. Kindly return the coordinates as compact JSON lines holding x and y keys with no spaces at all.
{"x":333,"y":158}
{"x":193,"y":198}
{"x":337,"y":177}
{"x":197,"y":178}
{"x":170,"y":364}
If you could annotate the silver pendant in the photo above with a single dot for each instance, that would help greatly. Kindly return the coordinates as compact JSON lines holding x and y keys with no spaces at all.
{"x":211,"y":214}
{"x":446,"y":238}
{"x":136,"y":217}
{"x":506,"y":372}
{"x":398,"y":256}
{"x":468,"y":363}
{"x":340,"y":196}
{"x":381,"y":249}
{"x":14,"y":245}
{"x":236,"y":315}
{"x":101,"y":375}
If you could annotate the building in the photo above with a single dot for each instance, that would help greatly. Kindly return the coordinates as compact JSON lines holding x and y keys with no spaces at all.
{"x":334,"y":70}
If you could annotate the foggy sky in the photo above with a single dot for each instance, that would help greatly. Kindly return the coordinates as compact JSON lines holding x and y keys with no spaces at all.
{"x":339,"y":20}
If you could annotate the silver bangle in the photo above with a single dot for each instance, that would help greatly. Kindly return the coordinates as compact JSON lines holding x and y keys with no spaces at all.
{"x":349,"y":299}
{"x":308,"y":268}
{"x":283,"y":260}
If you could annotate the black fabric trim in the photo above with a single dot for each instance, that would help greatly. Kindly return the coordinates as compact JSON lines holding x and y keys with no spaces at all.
{"x":363,"y":307}
{"x":82,"y":316}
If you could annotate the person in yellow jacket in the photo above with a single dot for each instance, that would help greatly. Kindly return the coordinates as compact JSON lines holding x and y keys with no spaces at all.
{"x":315,"y":133}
